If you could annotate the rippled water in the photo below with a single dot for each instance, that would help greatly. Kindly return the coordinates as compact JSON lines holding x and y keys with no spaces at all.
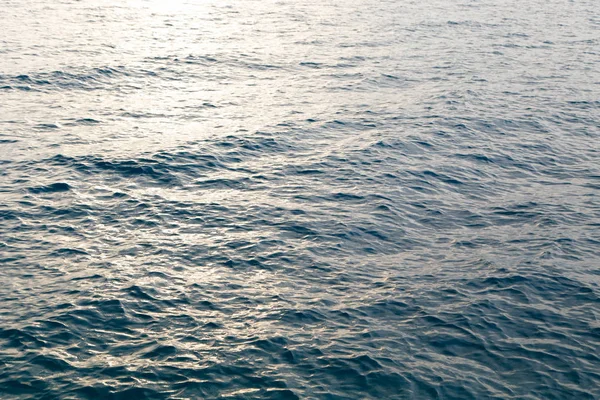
{"x":300,"y":199}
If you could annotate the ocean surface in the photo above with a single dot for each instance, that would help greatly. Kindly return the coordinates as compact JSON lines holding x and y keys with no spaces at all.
{"x":300,"y":199}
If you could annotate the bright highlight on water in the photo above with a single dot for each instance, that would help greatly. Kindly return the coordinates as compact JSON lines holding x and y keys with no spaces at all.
{"x":299,"y":199}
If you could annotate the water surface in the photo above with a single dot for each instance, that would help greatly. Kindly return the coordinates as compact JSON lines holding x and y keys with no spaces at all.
{"x":300,"y":199}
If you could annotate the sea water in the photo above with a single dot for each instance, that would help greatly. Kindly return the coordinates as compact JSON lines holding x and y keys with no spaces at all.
{"x":243,"y":199}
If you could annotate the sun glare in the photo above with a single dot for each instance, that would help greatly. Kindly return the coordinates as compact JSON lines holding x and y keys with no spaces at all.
{"x":171,"y":5}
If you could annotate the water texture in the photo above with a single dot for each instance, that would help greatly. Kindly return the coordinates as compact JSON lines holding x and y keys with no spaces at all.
{"x":299,"y":199}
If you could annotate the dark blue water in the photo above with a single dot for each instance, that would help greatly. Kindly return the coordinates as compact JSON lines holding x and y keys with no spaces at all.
{"x":299,"y":199}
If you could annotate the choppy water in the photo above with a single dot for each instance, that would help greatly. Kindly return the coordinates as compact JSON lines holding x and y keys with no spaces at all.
{"x":300,"y":199}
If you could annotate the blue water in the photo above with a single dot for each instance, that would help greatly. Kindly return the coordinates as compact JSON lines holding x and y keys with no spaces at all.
{"x":249,"y":199}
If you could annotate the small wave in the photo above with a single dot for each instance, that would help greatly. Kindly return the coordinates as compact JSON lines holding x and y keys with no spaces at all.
{"x":52,"y":188}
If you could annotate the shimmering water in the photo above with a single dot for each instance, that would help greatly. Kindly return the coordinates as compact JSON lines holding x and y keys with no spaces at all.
{"x":300,"y":199}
